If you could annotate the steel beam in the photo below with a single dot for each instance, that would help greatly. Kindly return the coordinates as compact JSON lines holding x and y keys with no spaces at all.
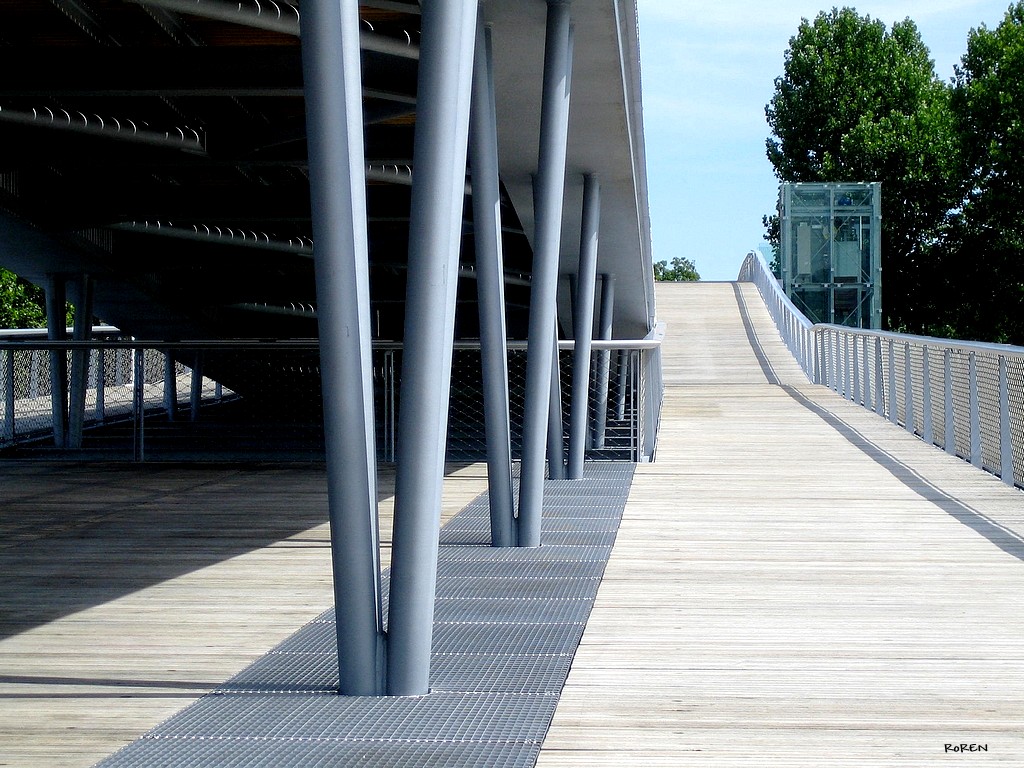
{"x":331,"y":69}
{"x":550,"y":189}
{"x":435,"y":234}
{"x":583,"y":326}
{"x":483,"y":148}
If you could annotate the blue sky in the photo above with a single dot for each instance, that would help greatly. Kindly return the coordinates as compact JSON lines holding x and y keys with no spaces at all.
{"x":708,"y":71}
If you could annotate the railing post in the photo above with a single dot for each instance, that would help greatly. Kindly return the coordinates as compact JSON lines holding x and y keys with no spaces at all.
{"x":556,"y":425}
{"x":170,"y":385}
{"x":80,"y":362}
{"x":908,"y":391}
{"x":139,"y":403}
{"x":56,"y":324}
{"x":196,"y":392}
{"x":1005,"y":437}
{"x":101,"y":385}
{"x":855,"y":370}
{"x":927,"y":428}
{"x":865,"y":373}
{"x":848,"y":368}
{"x":620,"y":394}
{"x":880,"y":380}
{"x":947,"y":385}
{"x":894,"y":415}
{"x":9,"y":395}
{"x":972,"y":374}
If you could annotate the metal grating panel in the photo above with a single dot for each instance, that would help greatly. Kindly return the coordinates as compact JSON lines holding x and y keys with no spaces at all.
{"x":241,"y":753}
{"x":507,"y":623}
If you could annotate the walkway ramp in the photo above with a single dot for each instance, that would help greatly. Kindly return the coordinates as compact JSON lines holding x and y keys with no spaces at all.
{"x":796,"y":582}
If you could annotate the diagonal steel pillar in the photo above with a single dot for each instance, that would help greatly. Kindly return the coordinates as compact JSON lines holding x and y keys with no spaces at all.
{"x":583,"y":326}
{"x":334,"y":127}
{"x":435,"y":228}
{"x":550,"y":188}
{"x":483,"y":149}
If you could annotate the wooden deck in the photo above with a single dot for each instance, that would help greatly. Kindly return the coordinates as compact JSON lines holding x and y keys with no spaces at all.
{"x":796,"y":581}
{"x":129,"y":592}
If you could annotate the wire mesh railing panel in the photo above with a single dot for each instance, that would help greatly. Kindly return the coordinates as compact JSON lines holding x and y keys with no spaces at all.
{"x":960,"y":377}
{"x":1015,"y":415}
{"x":987,"y":371}
{"x":937,"y":379}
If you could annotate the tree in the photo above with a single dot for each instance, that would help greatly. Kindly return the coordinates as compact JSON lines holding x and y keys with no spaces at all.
{"x":22,"y":305}
{"x":986,"y":243}
{"x":858,"y":102}
{"x":682,"y":270}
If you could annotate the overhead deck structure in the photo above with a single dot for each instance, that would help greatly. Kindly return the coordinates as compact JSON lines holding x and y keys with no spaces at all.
{"x":204,"y":169}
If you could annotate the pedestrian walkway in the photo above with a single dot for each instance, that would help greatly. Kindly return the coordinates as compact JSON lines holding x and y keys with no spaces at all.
{"x":796,"y":581}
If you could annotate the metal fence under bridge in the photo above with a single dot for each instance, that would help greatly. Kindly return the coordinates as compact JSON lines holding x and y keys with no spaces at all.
{"x":129,"y":400}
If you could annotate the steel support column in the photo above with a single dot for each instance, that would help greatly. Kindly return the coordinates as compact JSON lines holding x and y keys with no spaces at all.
{"x":435,"y":228}
{"x":583,"y":326}
{"x":56,"y":330}
{"x":82,"y":330}
{"x":550,"y":189}
{"x":334,"y":127}
{"x":604,"y":332}
{"x":490,"y":284}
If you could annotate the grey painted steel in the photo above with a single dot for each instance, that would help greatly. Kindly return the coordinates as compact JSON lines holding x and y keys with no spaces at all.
{"x":139,"y":404}
{"x":196,"y":392}
{"x":79,"y":361}
{"x":583,"y":326}
{"x":604,"y":332}
{"x":623,"y":375}
{"x":974,"y":409}
{"x":56,"y":330}
{"x":556,"y":424}
{"x":331,"y":72}
{"x":927,"y":425}
{"x":894,"y":415}
{"x":483,"y":148}
{"x":550,"y":188}
{"x":1005,"y":436}
{"x":949,"y":439}
{"x":879,"y":381}
{"x":435,"y":228}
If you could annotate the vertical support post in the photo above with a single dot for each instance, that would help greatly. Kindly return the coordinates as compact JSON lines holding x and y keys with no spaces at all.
{"x":139,"y":402}
{"x":880,"y":380}
{"x":818,"y":341}
{"x":865,"y":373}
{"x":947,"y":385}
{"x":334,"y":127}
{"x":56,"y":330}
{"x":170,"y":385}
{"x":855,"y":369}
{"x":9,"y":395}
{"x":972,"y":373}
{"x":556,"y":423}
{"x":894,"y":415}
{"x":100,"y":412}
{"x":483,"y":151}
{"x":927,"y":427}
{"x":908,"y":391}
{"x":583,"y":325}
{"x":79,"y":362}
{"x":550,"y":188}
{"x":435,"y":233}
{"x":33,"y":373}
{"x":195,"y":399}
{"x":604,"y":332}
{"x":1005,"y":437}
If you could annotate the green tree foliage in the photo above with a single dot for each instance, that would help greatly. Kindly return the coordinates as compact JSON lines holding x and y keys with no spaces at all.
{"x":858,"y":102}
{"x":22,"y":305}
{"x":681,"y":270}
{"x":986,"y":242}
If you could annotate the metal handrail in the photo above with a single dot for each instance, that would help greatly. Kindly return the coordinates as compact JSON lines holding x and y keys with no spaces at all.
{"x":966,"y":397}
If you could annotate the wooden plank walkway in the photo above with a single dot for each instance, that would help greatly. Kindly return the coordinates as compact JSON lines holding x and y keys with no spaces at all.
{"x":128,"y":592}
{"x":796,"y":581}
